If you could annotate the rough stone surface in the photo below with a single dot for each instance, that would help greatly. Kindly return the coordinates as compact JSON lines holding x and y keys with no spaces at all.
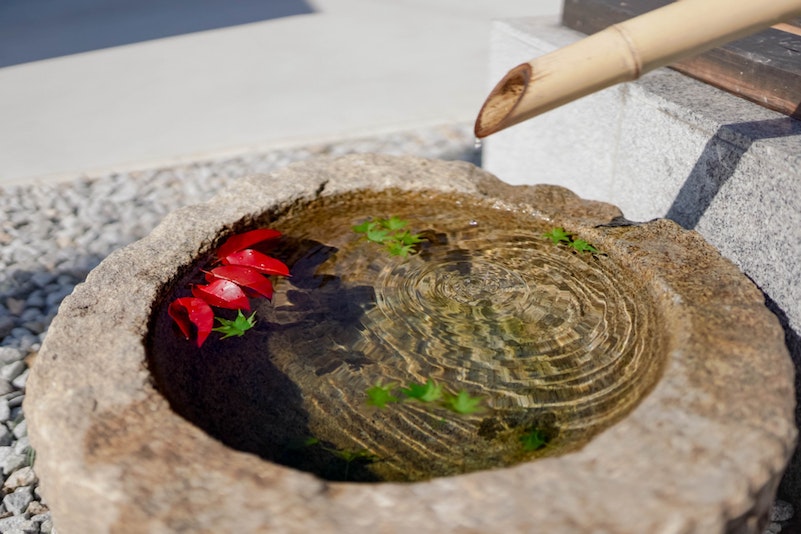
{"x":703,"y":452}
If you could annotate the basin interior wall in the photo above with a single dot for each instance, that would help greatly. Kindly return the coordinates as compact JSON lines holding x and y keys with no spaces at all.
{"x":669,"y":146}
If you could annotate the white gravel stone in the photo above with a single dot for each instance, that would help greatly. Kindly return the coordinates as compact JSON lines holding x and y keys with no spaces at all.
{"x":12,"y":370}
{"x":24,"y":476}
{"x":10,"y":460}
{"x":17,"y":524}
{"x":5,"y":410}
{"x":6,"y":436}
{"x":21,"y":429}
{"x":20,"y":381}
{"x":10,"y":354}
{"x":18,"y":501}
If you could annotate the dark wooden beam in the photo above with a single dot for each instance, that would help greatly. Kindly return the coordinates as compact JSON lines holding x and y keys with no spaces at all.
{"x":764,"y":68}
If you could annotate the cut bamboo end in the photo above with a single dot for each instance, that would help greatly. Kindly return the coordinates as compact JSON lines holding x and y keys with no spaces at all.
{"x":502,"y":100}
{"x":623,"y":52}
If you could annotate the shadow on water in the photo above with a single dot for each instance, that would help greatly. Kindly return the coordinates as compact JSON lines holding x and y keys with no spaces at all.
{"x":36,"y":30}
{"x":236,"y":393}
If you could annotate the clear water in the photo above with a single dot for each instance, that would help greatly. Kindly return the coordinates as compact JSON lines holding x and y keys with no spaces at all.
{"x":550,"y":339}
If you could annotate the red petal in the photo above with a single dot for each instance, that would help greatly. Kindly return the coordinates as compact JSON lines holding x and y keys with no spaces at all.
{"x":223,"y":294}
{"x":192,"y":310}
{"x":237,"y":242}
{"x":243,"y":276}
{"x":256,"y":260}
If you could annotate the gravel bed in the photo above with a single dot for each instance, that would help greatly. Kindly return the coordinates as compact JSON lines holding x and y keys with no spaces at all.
{"x":52,"y":235}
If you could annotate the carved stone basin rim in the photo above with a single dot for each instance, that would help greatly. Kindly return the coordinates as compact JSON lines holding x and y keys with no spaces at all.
{"x":702,"y":452}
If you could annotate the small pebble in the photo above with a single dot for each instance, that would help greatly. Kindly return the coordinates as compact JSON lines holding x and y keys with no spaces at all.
{"x":17,"y":524}
{"x":5,"y":410}
{"x":10,"y":461}
{"x":21,"y":430}
{"x":12,"y":370}
{"x":21,"y":380}
{"x":6,"y":437}
{"x":15,"y":306}
{"x":10,"y":355}
{"x":41,"y":279}
{"x":6,"y":388}
{"x":21,"y":477}
{"x":22,"y":446}
{"x":37,"y":511}
{"x":7,"y":324}
{"x":18,"y":501}
{"x":781,"y":511}
{"x":46,"y":527}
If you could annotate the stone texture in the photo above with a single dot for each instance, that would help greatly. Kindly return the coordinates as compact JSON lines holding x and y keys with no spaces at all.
{"x":702,"y":453}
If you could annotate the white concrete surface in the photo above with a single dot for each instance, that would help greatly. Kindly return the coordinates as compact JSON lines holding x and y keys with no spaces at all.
{"x":351,"y":68}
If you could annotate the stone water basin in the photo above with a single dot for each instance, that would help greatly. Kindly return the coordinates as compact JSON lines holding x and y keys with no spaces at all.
{"x":645,"y":364}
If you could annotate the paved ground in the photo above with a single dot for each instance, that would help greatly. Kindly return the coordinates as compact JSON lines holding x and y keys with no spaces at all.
{"x":308,"y":71}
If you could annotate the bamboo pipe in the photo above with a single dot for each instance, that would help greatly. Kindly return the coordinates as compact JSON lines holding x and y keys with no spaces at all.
{"x":624,"y":52}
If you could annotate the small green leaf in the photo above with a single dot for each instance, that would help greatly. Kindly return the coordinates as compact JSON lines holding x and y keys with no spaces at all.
{"x":365,"y":227}
{"x":237,"y":327}
{"x":428,"y":392}
{"x":377,"y":235}
{"x":558,"y":235}
{"x":582,"y":246}
{"x":408,"y":238}
{"x":349,"y":455}
{"x":463,"y":403}
{"x":533,"y":439}
{"x":379,"y":396}
{"x":398,"y":249}
{"x":393,"y":223}
{"x":388,"y":232}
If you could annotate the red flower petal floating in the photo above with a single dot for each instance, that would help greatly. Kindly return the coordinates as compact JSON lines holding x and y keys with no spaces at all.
{"x":244,"y":276}
{"x":256,"y":260}
{"x":238,"y":242}
{"x":243,"y":270}
{"x":190,"y":310}
{"x":223,"y":294}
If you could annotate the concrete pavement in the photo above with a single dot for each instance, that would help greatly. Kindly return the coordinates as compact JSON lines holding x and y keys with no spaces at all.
{"x":350,"y":68}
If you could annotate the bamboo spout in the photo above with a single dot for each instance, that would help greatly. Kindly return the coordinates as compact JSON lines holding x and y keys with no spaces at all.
{"x":624,"y":52}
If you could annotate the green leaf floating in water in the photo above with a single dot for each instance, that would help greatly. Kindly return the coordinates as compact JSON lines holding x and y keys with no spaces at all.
{"x":533,"y":440}
{"x":237,"y":327}
{"x":463,"y":403}
{"x":379,"y":396}
{"x":390,"y":233}
{"x":428,"y":392}
{"x":558,"y":235}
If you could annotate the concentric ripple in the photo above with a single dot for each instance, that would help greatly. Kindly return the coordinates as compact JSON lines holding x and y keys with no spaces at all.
{"x":534,"y":325}
{"x":549,"y":338}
